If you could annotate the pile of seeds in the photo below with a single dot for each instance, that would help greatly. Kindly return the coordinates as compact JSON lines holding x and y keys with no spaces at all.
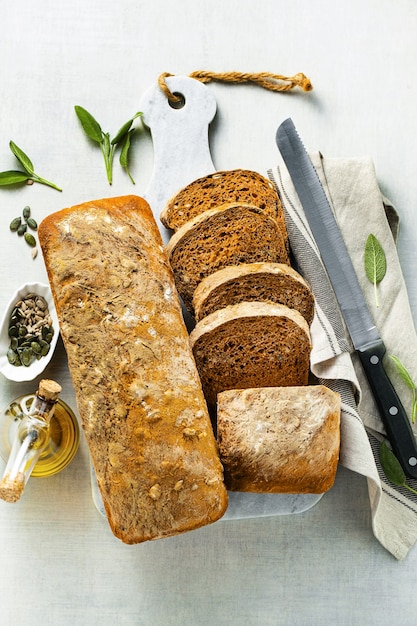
{"x":30,"y":330}
{"x":20,"y":227}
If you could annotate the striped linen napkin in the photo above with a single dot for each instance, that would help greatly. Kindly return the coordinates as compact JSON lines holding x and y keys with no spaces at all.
{"x":360,"y":209}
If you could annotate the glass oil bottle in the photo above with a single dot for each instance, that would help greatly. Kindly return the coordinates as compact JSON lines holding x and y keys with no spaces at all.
{"x":31,"y":439}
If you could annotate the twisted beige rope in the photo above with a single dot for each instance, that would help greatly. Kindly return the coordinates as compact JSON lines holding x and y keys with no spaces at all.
{"x":267,"y":80}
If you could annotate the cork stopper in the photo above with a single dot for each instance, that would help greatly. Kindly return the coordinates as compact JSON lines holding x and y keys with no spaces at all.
{"x":11,"y":489}
{"x":49,"y":390}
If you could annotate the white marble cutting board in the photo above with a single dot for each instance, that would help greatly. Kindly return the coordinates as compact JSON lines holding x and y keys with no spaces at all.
{"x":182,"y":154}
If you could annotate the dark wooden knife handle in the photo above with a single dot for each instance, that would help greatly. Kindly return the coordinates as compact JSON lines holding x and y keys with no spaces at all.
{"x":393,"y":414}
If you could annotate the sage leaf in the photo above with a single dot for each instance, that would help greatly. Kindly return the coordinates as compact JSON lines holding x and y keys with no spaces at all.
{"x":123,"y":131}
{"x":375,"y":260}
{"x":375,"y":263}
{"x":108,"y":152}
{"x":13,"y":177}
{"x":43,"y":181}
{"x":90,"y":125}
{"x":124,"y":155}
{"x":403,"y":372}
{"x":22,"y":157}
{"x":392,"y":467}
{"x":107,"y":145}
{"x":407,"y":379}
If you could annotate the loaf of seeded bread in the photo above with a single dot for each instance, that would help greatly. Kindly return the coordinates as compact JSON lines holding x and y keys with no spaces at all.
{"x":254,"y":282}
{"x":223,"y":187}
{"x":138,"y":392}
{"x":226,"y":235}
{"x":251,"y":344}
{"x":279,"y":440}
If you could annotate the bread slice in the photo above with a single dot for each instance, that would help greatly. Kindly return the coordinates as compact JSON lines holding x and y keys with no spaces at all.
{"x":222,"y":187}
{"x":138,"y":391}
{"x":251,"y":282}
{"x":279,"y":440}
{"x":251,"y":344}
{"x":226,"y":235}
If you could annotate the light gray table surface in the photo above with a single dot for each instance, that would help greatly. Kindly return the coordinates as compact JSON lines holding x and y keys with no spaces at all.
{"x":59,"y":562}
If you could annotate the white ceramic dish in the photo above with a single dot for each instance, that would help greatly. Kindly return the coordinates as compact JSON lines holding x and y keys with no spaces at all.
{"x":24,"y":373}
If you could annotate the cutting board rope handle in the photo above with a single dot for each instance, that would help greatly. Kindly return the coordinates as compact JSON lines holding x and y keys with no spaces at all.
{"x":267,"y":80}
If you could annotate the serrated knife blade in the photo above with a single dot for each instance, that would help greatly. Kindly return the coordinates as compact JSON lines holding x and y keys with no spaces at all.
{"x":335,"y":256}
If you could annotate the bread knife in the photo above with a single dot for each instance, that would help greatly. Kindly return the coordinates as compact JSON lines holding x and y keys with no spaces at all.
{"x":363,"y":332}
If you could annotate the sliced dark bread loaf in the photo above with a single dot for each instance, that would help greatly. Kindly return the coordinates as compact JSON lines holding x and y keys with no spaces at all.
{"x":251,"y":344}
{"x":220,"y":188}
{"x":250,"y":282}
{"x":279,"y":439}
{"x":230,"y":234}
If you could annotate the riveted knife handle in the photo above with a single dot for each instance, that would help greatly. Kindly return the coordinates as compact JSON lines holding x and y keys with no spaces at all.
{"x":393,"y":414}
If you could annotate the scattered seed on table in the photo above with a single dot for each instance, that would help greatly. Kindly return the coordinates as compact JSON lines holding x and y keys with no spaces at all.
{"x":15,"y":223}
{"x":30,"y":239}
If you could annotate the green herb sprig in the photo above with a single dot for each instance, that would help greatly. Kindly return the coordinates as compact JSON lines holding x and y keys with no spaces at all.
{"x":108,"y":146}
{"x":407,"y":379}
{"x":375,"y":263}
{"x":13,"y":177}
{"x":392,"y":467}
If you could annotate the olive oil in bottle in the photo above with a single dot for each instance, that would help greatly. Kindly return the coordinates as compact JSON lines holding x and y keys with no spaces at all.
{"x":36,"y":434}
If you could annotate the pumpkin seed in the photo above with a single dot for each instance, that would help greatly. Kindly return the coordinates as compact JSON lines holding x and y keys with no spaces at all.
{"x":35,"y":347}
{"x":22,"y":229}
{"x":26,"y":212}
{"x":32,"y":223}
{"x":30,"y":239}
{"x":12,"y":356}
{"x":18,"y":362}
{"x":45,"y":347}
{"x":14,"y":224}
{"x":47,"y":333}
{"x":26,"y":356}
